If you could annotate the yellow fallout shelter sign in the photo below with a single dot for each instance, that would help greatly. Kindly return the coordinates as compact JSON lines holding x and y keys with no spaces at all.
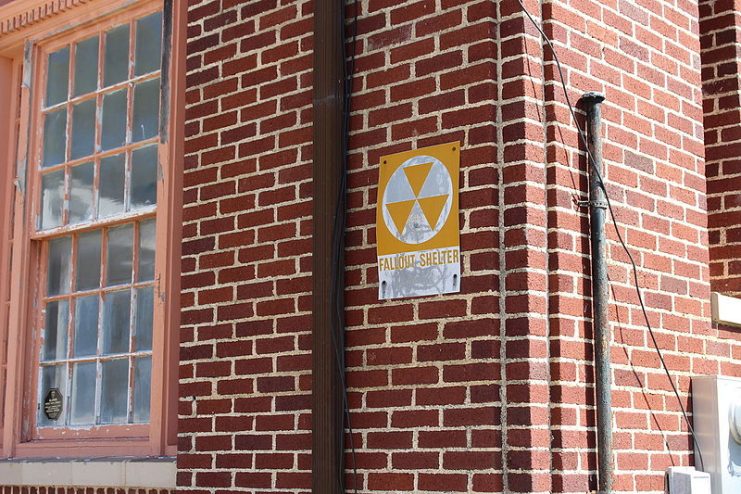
{"x":417,"y":223}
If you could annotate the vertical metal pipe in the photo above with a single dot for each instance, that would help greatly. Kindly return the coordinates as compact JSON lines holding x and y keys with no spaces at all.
{"x":327,"y":278}
{"x":600,"y":293}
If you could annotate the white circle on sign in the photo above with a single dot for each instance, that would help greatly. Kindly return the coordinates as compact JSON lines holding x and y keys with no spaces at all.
{"x":418,"y":199}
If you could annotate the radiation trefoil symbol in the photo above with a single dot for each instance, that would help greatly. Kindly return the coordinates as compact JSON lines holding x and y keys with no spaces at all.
{"x":417,"y":200}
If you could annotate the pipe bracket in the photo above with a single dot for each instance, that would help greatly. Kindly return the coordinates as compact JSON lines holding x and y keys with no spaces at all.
{"x":595,"y":204}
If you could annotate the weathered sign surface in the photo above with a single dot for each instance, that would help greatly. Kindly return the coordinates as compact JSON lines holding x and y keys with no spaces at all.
{"x":417,"y":223}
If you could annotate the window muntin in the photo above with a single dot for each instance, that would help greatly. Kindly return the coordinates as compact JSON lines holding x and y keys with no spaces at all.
{"x":107,"y":120}
{"x":96,"y":225}
{"x":97,"y":336}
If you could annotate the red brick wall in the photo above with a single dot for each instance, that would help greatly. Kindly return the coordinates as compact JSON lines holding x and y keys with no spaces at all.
{"x":245,"y":361}
{"x":424,"y":374}
{"x":645,"y":57}
{"x":489,"y":390}
{"x":720,"y":43}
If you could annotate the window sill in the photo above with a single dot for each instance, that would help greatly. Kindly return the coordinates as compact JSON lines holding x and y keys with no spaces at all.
{"x":151,"y":473}
{"x":726,"y":310}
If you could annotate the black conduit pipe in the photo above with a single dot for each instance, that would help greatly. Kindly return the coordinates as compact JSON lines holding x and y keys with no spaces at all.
{"x":327,"y":469}
{"x":600,"y":294}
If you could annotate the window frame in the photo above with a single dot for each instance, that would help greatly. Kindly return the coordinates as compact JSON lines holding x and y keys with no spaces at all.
{"x":20,"y":437}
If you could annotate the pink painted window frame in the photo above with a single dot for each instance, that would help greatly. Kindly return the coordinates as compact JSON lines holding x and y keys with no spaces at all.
{"x":17,"y":221}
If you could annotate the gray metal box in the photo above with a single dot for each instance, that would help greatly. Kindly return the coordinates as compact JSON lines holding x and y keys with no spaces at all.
{"x":687,"y":480}
{"x":716,"y":402}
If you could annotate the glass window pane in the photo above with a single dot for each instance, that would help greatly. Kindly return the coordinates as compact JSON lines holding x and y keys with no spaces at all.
{"x":117,"y":55}
{"x":144,"y":313}
{"x":146,"y":110}
{"x":148,"y":44}
{"x":86,"y":326}
{"x":114,"y":392}
{"x":83,"y":393}
{"x":112,"y":183}
{"x":81,"y":197}
{"x":86,"y":66}
{"x":55,"y":137}
{"x":59,"y":266}
{"x":144,"y":177}
{"x":83,"y":129}
{"x":120,"y":254}
{"x":57,"y":82}
{"x":114,"y":120}
{"x":52,"y":200}
{"x":146,"y":250}
{"x":55,"y":331}
{"x":53,"y":377}
{"x":116,"y":317}
{"x":142,"y":381}
{"x":88,"y":261}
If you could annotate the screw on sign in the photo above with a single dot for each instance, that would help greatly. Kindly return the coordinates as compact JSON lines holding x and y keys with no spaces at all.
{"x":417,"y":223}
{"x":53,"y":404}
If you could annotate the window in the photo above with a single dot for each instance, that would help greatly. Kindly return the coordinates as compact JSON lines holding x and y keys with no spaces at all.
{"x":95,"y":323}
{"x":98,"y":185}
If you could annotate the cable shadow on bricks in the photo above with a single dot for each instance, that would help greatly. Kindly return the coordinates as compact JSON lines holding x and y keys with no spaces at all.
{"x":638,"y":382}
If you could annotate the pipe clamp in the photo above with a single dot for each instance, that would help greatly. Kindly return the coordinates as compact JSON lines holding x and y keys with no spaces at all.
{"x":596,"y":204}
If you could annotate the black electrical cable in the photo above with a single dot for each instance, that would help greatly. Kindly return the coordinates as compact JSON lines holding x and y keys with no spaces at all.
{"x":338,"y":252}
{"x":614,"y":222}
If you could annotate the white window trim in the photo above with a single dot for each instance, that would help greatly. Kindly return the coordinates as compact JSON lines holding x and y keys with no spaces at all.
{"x":725,"y":309}
{"x":154,"y":473}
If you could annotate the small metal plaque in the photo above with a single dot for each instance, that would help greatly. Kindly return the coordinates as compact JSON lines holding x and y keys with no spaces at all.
{"x":53,"y":404}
